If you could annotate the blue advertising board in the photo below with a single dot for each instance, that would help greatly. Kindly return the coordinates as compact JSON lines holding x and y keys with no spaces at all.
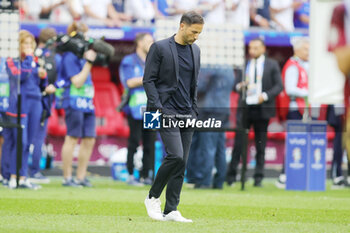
{"x":317,"y":159}
{"x":296,"y":155}
{"x":128,"y":33}
{"x":305,"y":163}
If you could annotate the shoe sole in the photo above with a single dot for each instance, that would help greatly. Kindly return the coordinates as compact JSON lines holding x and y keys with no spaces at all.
{"x":172,"y":220}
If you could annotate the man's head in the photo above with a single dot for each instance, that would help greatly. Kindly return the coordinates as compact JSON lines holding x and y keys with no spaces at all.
{"x":191,"y":25}
{"x":301,"y":48}
{"x":256,"y":48}
{"x":46,"y":34}
{"x":143,"y":42}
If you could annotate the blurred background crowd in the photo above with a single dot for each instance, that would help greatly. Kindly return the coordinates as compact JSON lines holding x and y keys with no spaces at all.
{"x":274,"y":14}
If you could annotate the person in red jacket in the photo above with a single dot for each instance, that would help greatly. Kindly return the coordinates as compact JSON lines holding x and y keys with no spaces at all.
{"x":292,"y":101}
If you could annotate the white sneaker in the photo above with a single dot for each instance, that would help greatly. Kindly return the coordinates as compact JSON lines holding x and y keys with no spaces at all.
{"x":153,"y":208}
{"x":176,"y":217}
{"x":12,"y":183}
{"x":281,"y":182}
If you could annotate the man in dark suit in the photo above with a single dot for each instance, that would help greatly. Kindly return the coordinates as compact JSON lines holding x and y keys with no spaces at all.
{"x":262,"y":84}
{"x":170,"y":82}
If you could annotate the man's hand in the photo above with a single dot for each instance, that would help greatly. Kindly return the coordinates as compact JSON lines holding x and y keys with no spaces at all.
{"x":50,"y":89}
{"x":261,"y":99}
{"x":90,"y":55}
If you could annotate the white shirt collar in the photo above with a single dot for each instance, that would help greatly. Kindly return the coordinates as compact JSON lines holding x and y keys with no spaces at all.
{"x":261,"y":58}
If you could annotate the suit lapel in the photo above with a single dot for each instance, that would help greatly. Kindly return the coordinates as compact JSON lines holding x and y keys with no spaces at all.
{"x":265,"y":71}
{"x":175,"y":56}
{"x":194,"y":56}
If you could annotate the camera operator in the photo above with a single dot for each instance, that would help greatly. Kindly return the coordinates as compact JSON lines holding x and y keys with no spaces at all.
{"x":79,"y":110}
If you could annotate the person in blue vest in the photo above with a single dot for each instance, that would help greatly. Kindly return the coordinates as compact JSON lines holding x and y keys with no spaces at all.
{"x":4,"y":100}
{"x":75,"y":78}
{"x":32,"y":82}
{"x":131,"y":74}
{"x":52,"y":62}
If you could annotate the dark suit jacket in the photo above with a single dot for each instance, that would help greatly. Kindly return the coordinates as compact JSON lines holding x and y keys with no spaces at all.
{"x":161,"y":76}
{"x":271,"y":84}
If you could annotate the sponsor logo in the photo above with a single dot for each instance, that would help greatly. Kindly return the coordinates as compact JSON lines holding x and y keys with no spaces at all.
{"x":318,"y":142}
{"x":296,"y":154}
{"x":297,"y":141}
{"x":317,"y":165}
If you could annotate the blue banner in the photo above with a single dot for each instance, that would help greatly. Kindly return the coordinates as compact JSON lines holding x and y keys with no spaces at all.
{"x":305,"y":163}
{"x":296,"y":155}
{"x":128,"y":33}
{"x":317,"y":164}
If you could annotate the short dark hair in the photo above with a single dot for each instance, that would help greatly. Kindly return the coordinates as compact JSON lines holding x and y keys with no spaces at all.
{"x":140,"y":36}
{"x":262,"y":41}
{"x":192,"y":17}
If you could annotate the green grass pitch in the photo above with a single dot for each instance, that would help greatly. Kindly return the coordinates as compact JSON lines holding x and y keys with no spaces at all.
{"x":115,"y":207}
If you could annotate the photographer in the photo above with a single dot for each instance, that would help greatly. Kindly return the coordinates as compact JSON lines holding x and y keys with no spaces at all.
{"x":79,"y":110}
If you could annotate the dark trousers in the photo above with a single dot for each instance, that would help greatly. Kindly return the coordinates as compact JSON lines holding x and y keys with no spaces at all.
{"x":260,"y":130}
{"x":37,"y":152}
{"x":337,"y":123}
{"x":177,"y":144}
{"x":193,"y":173}
{"x":148,"y":138}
